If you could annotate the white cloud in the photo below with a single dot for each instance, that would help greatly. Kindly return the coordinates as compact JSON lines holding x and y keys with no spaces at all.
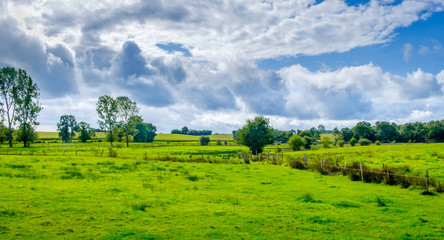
{"x":82,"y":49}
{"x":407,"y":51}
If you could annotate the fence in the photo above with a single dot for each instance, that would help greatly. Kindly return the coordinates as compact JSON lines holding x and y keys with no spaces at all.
{"x":357,"y":171}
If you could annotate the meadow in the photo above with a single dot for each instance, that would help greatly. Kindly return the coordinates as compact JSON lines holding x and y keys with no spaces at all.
{"x":153,"y":191}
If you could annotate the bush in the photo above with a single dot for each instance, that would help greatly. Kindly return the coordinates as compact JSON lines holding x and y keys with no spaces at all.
{"x":353,"y":142}
{"x":219,"y":142}
{"x":341,"y":143}
{"x":296,"y":142}
{"x":204,"y":140}
{"x":377,"y":143}
{"x":326,"y":140}
{"x":364,"y":142}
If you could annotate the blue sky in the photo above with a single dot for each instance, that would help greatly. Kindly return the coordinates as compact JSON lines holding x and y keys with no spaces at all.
{"x":212,"y":65}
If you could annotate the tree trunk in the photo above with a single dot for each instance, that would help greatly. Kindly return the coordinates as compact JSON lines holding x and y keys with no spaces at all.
{"x":127,"y":140}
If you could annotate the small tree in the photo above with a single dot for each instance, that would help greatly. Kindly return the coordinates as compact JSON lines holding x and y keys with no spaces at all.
{"x":353,"y":141}
{"x":26,"y":134}
{"x":107,"y":111}
{"x":85,"y":132}
{"x":308,"y":142}
{"x":296,"y":142}
{"x":203,"y":140}
{"x":326,"y":141}
{"x":255,"y":134}
{"x":341,"y":143}
{"x":146,"y":132}
{"x":67,"y":125}
{"x":8,"y":82}
{"x":184,"y":130}
{"x":126,"y":110}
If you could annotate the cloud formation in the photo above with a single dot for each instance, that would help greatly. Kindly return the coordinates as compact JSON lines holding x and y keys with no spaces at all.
{"x":201,"y":58}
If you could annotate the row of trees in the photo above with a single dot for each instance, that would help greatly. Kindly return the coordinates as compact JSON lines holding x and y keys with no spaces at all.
{"x":193,"y":132}
{"x":131,"y":124}
{"x":386,"y":132}
{"x":20,"y":104}
{"x":257,"y":133}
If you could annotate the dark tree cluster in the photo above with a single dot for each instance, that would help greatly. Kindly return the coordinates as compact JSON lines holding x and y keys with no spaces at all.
{"x":282,"y":136}
{"x":386,"y":132}
{"x":193,"y":132}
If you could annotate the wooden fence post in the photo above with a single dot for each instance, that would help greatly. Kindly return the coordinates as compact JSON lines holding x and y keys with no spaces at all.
{"x":345,"y":164}
{"x":191,"y":157}
{"x":293,"y":161}
{"x":388,"y":175}
{"x":145,"y":156}
{"x":259,"y":158}
{"x":321,"y":163}
{"x":362,"y":172}
{"x":268,"y":157}
{"x":305,"y":160}
{"x":202,"y":157}
{"x":245,"y":158}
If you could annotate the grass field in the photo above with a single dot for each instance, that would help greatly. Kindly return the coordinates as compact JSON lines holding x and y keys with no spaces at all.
{"x":75,"y":191}
{"x":109,"y":198}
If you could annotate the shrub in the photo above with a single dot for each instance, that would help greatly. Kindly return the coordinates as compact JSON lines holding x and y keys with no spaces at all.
{"x":364,"y":142}
{"x":204,"y":140}
{"x":377,"y":143}
{"x":296,"y":142}
{"x":219,"y":142}
{"x":112,"y":152}
{"x":341,"y":143}
{"x":353,"y":142}
{"x":326,"y":140}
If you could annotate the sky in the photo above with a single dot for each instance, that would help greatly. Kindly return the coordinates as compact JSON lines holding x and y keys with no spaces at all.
{"x":215,"y":64}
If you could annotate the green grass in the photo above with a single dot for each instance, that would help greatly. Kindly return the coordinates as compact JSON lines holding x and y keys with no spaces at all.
{"x":69,"y":197}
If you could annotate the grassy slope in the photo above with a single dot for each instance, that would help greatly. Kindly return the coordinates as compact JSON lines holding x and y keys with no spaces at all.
{"x":105,"y":198}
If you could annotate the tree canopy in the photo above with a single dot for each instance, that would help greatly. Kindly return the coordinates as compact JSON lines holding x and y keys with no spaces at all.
{"x":255,"y":134}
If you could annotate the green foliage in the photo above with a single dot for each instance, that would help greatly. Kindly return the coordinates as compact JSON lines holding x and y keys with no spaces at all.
{"x":27,"y":107}
{"x":256,"y":134}
{"x":127,"y":109}
{"x":347,"y":134}
{"x":377,"y":143}
{"x":25,"y":133}
{"x":107,"y":109}
{"x":353,"y":141}
{"x":184,"y":130}
{"x":326,"y":141}
{"x":282,"y":136}
{"x":308,"y":142}
{"x":204,"y":140}
{"x":341,"y":143}
{"x":85,"y":132}
{"x":364,"y":142}
{"x":66,"y":126}
{"x":145,"y":132}
{"x":296,"y":142}
{"x":8,"y":86}
{"x":386,"y":132}
{"x":363,"y":130}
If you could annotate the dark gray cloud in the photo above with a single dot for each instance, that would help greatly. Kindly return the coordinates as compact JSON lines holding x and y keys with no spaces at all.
{"x":51,"y":67}
{"x":174,"y":70}
{"x":263,"y":92}
{"x":131,"y":62}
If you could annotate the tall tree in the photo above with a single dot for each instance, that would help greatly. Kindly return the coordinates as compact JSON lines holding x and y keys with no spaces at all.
{"x":126,"y":110}
{"x":26,"y":96}
{"x":107,"y":110}
{"x":255,"y":134}
{"x":67,"y":126}
{"x":8,"y":82}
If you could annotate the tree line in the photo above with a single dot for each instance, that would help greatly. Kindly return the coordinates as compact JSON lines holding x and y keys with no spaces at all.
{"x":117,"y":116}
{"x":257,"y":133}
{"x":193,"y":132}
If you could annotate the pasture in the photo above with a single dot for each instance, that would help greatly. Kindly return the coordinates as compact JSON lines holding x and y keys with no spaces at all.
{"x":153,"y":191}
